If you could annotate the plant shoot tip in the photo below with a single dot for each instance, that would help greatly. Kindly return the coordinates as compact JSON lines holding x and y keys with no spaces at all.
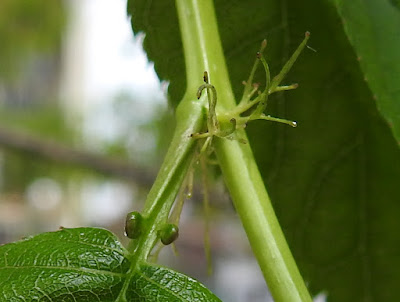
{"x":294,"y":124}
{"x":205,"y":77}
{"x":307,"y":34}
{"x":264,"y":43}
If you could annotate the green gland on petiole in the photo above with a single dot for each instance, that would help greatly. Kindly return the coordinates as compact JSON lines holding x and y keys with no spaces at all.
{"x":169,"y":233}
{"x":134,"y":224}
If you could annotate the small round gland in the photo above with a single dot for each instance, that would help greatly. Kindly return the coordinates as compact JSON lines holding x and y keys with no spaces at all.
{"x":169,"y":233}
{"x":133,"y":225}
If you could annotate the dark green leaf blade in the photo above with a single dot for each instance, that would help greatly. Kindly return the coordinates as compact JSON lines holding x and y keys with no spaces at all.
{"x":333,"y":179}
{"x":84,"y":264}
{"x":87,"y":264}
{"x":373,"y":29}
{"x":158,"y":283}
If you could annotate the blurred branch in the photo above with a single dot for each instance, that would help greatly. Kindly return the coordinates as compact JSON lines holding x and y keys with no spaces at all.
{"x":57,"y":152}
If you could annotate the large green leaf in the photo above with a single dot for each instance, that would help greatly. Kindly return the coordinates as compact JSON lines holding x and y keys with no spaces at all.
{"x":373,"y":28}
{"x":333,"y":179}
{"x":87,"y":264}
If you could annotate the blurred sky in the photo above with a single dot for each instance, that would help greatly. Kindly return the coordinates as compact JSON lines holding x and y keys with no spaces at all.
{"x":115,"y":60}
{"x":103,"y":59}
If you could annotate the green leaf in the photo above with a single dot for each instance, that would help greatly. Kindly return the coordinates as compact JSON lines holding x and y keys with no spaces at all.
{"x":162,"y":284}
{"x":373,"y":29}
{"x":87,"y":264}
{"x":83,"y":263}
{"x":334,"y":178}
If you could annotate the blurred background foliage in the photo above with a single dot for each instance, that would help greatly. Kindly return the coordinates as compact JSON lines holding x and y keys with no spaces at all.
{"x":31,"y":34}
{"x":28,"y":29}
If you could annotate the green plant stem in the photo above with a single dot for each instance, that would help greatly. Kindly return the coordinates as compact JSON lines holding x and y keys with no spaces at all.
{"x":190,"y":119}
{"x":203,"y":51}
{"x":162,"y":195}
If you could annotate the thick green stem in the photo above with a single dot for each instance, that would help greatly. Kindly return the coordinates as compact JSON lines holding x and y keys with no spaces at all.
{"x":203,"y":51}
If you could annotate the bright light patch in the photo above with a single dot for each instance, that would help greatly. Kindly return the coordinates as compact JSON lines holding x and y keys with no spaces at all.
{"x":44,"y":194}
